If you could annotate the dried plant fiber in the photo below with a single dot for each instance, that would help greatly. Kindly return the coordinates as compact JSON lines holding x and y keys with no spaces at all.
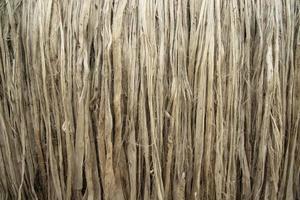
{"x":150,"y":99}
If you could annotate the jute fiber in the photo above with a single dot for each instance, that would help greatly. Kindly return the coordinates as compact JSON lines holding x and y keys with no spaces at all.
{"x":150,"y":99}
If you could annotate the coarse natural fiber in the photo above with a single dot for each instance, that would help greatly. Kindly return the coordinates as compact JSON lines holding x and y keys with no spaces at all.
{"x":150,"y":99}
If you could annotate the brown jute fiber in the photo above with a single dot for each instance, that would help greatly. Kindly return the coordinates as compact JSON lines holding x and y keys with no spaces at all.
{"x":150,"y":99}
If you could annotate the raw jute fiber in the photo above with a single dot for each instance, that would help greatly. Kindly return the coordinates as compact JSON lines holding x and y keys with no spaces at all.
{"x":150,"y":99}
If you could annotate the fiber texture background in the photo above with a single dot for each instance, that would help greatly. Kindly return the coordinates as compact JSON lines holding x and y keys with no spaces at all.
{"x":150,"y":99}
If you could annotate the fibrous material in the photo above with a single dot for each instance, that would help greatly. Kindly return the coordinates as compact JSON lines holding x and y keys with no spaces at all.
{"x":150,"y":99}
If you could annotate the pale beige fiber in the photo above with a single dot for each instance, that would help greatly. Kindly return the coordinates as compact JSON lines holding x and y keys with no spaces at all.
{"x":150,"y":99}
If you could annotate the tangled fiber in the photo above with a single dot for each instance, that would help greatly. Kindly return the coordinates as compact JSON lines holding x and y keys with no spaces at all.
{"x":150,"y":99}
